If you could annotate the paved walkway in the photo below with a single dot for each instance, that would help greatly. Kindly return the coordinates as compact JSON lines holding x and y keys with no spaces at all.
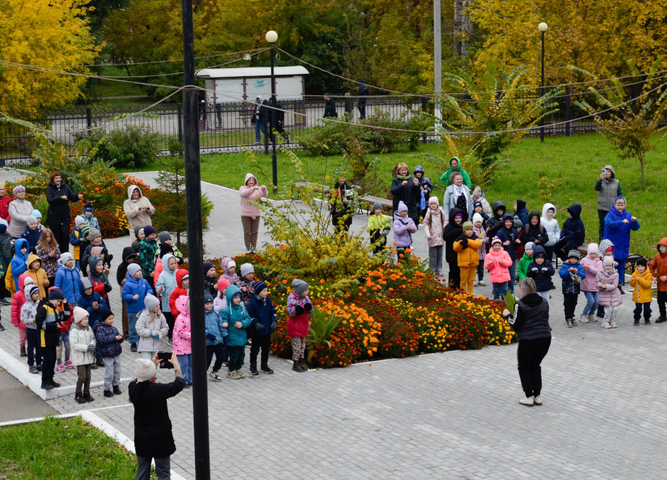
{"x":446,"y":415}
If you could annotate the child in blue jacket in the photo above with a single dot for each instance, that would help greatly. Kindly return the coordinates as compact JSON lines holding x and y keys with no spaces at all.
{"x":68,"y":279}
{"x":572,"y":234}
{"x":572,"y":274}
{"x":264,"y":321}
{"x":216,"y":336}
{"x":134,"y":291}
{"x":19,"y":263}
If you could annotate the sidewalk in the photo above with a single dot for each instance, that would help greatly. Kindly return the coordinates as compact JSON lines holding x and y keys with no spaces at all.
{"x":446,"y":415}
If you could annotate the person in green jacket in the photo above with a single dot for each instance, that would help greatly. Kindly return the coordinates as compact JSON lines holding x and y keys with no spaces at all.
{"x":236,"y":320}
{"x":522,"y":269}
{"x":378,"y":229}
{"x":455,"y":166}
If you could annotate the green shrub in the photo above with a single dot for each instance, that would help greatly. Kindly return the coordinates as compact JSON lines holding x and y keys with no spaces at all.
{"x":134,"y":146}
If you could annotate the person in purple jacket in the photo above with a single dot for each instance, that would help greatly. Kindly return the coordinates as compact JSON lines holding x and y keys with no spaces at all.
{"x":404,"y":226}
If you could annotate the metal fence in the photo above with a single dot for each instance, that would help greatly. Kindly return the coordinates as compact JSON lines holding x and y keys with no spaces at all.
{"x":227,"y":127}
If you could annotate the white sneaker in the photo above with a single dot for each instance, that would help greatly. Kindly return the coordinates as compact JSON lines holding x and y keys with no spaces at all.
{"x":537,"y":400}
{"x":583,"y":319}
{"x":482,"y":284}
{"x":528,"y":401}
{"x":476,"y":283}
{"x":613,"y":324}
{"x":592,"y":318}
{"x":605,"y":325}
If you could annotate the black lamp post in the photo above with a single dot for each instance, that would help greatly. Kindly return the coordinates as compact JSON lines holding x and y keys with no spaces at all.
{"x":272,"y":38}
{"x":542,"y":27}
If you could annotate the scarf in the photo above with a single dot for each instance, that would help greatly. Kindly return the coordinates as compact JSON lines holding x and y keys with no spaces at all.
{"x":403,"y":177}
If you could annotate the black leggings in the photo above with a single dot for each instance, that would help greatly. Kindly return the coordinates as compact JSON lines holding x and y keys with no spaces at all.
{"x":530,"y":354}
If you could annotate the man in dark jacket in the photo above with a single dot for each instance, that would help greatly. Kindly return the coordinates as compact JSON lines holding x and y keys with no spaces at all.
{"x":153,"y":438}
{"x":58,"y":195}
{"x":363,"y":96}
{"x":329,"y":107}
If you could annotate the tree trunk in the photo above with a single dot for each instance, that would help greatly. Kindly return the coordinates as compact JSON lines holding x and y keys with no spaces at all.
{"x":641,"y":162}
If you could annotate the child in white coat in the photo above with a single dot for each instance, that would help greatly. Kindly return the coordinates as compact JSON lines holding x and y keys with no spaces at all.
{"x":82,"y":340}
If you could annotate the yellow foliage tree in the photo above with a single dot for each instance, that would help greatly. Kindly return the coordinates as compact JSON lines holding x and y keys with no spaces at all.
{"x":53,"y":34}
{"x":596,"y":36}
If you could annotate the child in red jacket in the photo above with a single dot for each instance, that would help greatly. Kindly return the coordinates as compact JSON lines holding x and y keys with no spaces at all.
{"x":63,"y":340}
{"x":498,"y":263}
{"x":17,"y":302}
{"x":182,"y":282}
{"x":299,"y":310}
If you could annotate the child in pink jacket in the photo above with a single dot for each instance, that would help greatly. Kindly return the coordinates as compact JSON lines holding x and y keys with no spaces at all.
{"x":17,"y":302}
{"x":498,"y":263}
{"x":591,"y":264}
{"x":182,"y":339}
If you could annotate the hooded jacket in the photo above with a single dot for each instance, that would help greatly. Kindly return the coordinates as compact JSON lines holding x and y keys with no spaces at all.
{"x":48,"y":319}
{"x":251,"y":194}
{"x":78,"y":242}
{"x":214,"y":327}
{"x":19,"y":299}
{"x":610,"y":296}
{"x":147,"y":250}
{"x":509,"y":235}
{"x":182,"y":336}
{"x":79,"y":339}
{"x":144,"y":326}
{"x":236,"y":337}
{"x":445,"y":178}
{"x":608,"y":189}
{"x":100,"y":281}
{"x":591,"y":268}
{"x":532,"y":319}
{"x":658,"y":266}
{"x":569,"y":284}
{"x":619,"y":232}
{"x":541,"y":273}
{"x":178,"y":291}
{"x":479,"y":193}
{"x":224,"y":264}
{"x":424,"y":183}
{"x":498,"y":264}
{"x":132,"y":208}
{"x":166,"y":283}
{"x":121,"y":272}
{"x":466,"y":248}
{"x":403,"y":236}
{"x":86,"y":302}
{"x":28,"y":310}
{"x":134,"y":287}
{"x":262,"y":314}
{"x":534,"y":233}
{"x":551,"y":227}
{"x":642,"y":283}
{"x":106,"y":339}
{"x":573,"y":232}
{"x":38,"y":275}
{"x":32,"y":236}
{"x":495,"y":223}
{"x":59,"y":211}
{"x":67,"y":280}
{"x":19,"y":210}
{"x":450,"y":233}
{"x":19,"y":263}
{"x":521,"y":211}
{"x":297,"y":323}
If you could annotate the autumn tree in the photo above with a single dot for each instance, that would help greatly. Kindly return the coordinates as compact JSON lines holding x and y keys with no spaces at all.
{"x":52,"y":35}
{"x":629,"y":123}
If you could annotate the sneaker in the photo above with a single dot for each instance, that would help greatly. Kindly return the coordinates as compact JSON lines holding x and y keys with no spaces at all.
{"x":55,"y":384}
{"x":253,"y":371}
{"x":61,"y":368}
{"x":482,"y":284}
{"x":537,"y":400}
{"x":573,"y":321}
{"x":108,"y":393}
{"x":583,"y":319}
{"x":231,"y":374}
{"x":661,"y":320}
{"x":47,"y":386}
{"x":528,"y":401}
{"x":69,"y":364}
{"x":620,"y":289}
{"x":133,"y":348}
{"x":266,"y":369}
{"x":117,"y":390}
{"x":636,"y":323}
{"x":647,"y":322}
{"x":34,"y":370}
{"x":605,"y":325}
{"x":613,"y":324}
{"x":5,"y":301}
{"x":239,"y":375}
{"x":79,"y":399}
{"x":592,"y":318}
{"x":215,"y":376}
{"x":567,"y":322}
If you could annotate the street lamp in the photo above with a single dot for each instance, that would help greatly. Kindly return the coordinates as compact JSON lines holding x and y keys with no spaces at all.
{"x":272,"y":38}
{"x":542,"y":27}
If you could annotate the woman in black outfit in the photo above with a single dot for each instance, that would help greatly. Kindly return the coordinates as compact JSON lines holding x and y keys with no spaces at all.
{"x":452,"y":231}
{"x":531,"y":322}
{"x":405,"y":187}
{"x":58,"y":195}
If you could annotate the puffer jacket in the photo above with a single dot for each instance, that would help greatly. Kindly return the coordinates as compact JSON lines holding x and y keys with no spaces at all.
{"x":498,"y":264}
{"x":166,"y":282}
{"x":467,"y":248}
{"x":262,"y":314}
{"x":68,"y":280}
{"x":236,"y":337}
{"x":591,"y":268}
{"x":148,"y":343}
{"x":182,"y":336}
{"x":135,"y":216}
{"x":610,"y":296}
{"x":86,"y":302}
{"x":642,"y":283}
{"x":178,"y":291}
{"x":18,"y":300}
{"x":534,"y":233}
{"x":402,"y":236}
{"x":569,"y":285}
{"x":573,"y":231}
{"x":434,"y":223}
{"x":607,"y":190}
{"x":509,"y":235}
{"x":619,"y":232}
{"x":659,"y":266}
{"x":495,"y":223}
{"x":134,"y":287}
{"x":79,"y":339}
{"x":251,"y":194}
{"x":297,"y":324}
{"x":38,"y":275}
{"x":29,"y":310}
{"x":214,"y":327}
{"x":532,"y":320}
{"x":551,"y":227}
{"x":106,"y":339}
{"x":48,"y":320}
{"x":19,"y":263}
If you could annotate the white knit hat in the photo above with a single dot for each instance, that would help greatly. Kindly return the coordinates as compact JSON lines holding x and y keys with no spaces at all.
{"x":145,"y":369}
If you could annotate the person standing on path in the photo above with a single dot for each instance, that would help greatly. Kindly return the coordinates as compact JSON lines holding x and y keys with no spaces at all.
{"x":457,"y":195}
{"x":531,"y":322}
{"x":341,"y":210}
{"x":251,"y":214}
{"x":153,"y":437}
{"x":455,"y":166}
{"x":58,"y":195}
{"x":329,"y":107}
{"x":405,"y":188}
{"x":19,"y":209}
{"x":608,"y":188}
{"x":618,"y":224}
{"x":258,"y":119}
{"x":137,"y":208}
{"x":362,"y":93}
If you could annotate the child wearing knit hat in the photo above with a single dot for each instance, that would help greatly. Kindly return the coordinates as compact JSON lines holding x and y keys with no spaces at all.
{"x":378,"y":228}
{"x":246,"y":281}
{"x":572,"y":273}
{"x":526,"y":259}
{"x":299,"y":311}
{"x":151,"y":327}
{"x":498,"y":263}
{"x":147,"y":249}
{"x":434,"y":223}
{"x":89,"y":217}
{"x":210,"y":279}
{"x":478,"y":227}
{"x":609,"y":296}
{"x":264,"y":323}
{"x":78,"y":240}
{"x":641,"y":281}
{"x":466,"y":246}
{"x":83,"y":344}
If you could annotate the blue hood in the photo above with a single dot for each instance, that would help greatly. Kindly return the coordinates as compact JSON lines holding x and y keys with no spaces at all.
{"x":575,"y":210}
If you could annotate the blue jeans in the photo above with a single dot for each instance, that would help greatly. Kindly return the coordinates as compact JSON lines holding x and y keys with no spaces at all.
{"x":499,"y":290}
{"x":621,"y":269}
{"x":132,"y":324}
{"x":259,"y":126}
{"x":512,"y":276}
{"x":591,"y":303}
{"x":186,"y":367}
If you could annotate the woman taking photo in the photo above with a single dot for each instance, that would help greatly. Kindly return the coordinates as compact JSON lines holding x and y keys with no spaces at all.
{"x":250,"y":214}
{"x":530,"y":320}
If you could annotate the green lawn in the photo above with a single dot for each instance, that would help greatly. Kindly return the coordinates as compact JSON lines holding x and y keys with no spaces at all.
{"x":577,"y":161}
{"x":59,"y":449}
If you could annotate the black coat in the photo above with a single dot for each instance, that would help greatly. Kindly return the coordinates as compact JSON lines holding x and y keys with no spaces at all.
{"x":534,"y":233}
{"x":59,"y":212}
{"x":541,"y":273}
{"x":410,"y":194}
{"x":122,"y":268}
{"x":495,"y":222}
{"x":450,"y":233}
{"x":330,"y":108}
{"x":152,"y":426}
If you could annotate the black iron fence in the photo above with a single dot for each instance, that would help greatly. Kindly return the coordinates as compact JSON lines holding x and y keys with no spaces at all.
{"x":228,"y":127}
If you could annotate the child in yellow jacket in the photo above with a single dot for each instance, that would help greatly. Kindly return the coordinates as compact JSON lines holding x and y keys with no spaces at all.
{"x":641,"y":281}
{"x":38,"y":274}
{"x":466,"y":246}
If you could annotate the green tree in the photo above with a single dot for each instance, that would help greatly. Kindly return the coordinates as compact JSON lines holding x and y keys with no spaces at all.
{"x":630,"y":124}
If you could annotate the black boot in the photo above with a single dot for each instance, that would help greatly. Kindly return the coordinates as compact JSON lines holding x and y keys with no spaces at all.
{"x":88,"y":397}
{"x":108,"y":393}
{"x":79,"y":399}
{"x":661,"y":319}
{"x":23,"y":352}
{"x":117,"y":390}
{"x":100,"y":362}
